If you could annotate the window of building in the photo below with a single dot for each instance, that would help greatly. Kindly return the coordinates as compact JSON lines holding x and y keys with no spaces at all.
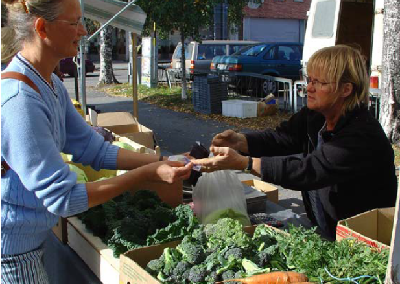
{"x":254,"y":4}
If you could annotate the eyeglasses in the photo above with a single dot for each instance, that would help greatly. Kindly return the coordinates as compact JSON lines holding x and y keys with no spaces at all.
{"x":73,"y":24}
{"x":316,"y":83}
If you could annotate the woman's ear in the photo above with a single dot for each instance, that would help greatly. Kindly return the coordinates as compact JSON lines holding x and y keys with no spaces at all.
{"x":347,"y":89}
{"x":40,"y":28}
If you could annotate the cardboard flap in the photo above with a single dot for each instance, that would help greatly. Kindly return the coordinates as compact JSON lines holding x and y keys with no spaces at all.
{"x":270,"y":190}
{"x":372,"y":227}
{"x":385,"y":224}
{"x":118,"y":122}
{"x":365,"y":224}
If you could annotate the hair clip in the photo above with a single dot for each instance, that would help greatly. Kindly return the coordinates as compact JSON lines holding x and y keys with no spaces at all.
{"x":23,"y":2}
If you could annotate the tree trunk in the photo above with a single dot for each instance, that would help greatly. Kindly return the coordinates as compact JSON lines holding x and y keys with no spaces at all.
{"x":183,"y":59}
{"x":106,"y":68}
{"x":390,"y":99}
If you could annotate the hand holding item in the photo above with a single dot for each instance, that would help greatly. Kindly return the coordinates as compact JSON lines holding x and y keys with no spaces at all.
{"x":168,"y":171}
{"x":231,"y":139}
{"x":225,"y":158}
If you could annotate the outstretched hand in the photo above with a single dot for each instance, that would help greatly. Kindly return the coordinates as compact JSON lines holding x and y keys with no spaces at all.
{"x":168,"y":171}
{"x":225,"y":158}
{"x":231,"y":139}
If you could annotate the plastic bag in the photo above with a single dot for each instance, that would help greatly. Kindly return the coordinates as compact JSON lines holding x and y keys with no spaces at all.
{"x":220,"y":195}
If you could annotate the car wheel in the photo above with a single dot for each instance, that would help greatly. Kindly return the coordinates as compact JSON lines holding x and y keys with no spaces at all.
{"x":268,"y":87}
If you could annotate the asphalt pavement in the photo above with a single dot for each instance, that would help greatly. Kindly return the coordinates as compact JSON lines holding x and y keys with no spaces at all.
{"x":175,"y":132}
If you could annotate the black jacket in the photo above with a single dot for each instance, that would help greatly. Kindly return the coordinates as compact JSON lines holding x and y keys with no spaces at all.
{"x":356,"y":162}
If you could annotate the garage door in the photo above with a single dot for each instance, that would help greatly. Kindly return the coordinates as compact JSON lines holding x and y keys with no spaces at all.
{"x":273,"y":30}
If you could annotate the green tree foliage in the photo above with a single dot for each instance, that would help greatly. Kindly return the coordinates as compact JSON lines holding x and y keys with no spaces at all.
{"x":187,"y":17}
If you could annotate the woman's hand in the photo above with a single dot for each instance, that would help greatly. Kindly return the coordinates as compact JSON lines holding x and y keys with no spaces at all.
{"x":225,"y":158}
{"x":168,"y":171}
{"x":231,"y":139}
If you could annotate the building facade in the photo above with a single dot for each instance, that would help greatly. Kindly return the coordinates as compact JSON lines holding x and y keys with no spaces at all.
{"x":276,"y":20}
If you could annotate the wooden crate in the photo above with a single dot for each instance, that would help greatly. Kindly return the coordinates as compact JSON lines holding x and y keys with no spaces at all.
{"x":93,"y":252}
{"x":60,"y":230}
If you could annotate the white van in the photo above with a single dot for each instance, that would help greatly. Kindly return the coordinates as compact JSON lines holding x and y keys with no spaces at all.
{"x":352,"y":22}
{"x":198,"y":56}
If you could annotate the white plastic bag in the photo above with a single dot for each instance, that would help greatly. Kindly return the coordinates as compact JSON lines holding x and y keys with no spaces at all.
{"x":219,"y":195}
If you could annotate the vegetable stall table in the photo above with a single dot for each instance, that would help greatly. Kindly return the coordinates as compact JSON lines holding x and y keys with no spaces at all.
{"x":64,"y":266}
{"x":83,"y":259}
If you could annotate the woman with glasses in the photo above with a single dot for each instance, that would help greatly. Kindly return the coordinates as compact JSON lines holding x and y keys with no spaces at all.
{"x":38,"y":121}
{"x":333,"y":150}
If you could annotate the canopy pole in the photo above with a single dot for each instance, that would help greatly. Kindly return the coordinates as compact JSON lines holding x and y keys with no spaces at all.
{"x":134,"y":77}
{"x":82,"y":56}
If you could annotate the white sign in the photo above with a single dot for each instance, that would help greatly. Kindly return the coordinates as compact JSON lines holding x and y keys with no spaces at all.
{"x":149,"y":62}
{"x":146,"y":47}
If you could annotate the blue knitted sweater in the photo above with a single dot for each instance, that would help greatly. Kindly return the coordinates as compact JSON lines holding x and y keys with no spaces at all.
{"x":39,"y":188}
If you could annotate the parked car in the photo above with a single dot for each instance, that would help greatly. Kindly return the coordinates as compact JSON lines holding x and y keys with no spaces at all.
{"x":198,"y":56}
{"x":68,"y":66}
{"x":274,"y":59}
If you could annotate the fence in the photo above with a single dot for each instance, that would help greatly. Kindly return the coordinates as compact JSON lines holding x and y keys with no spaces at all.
{"x":254,"y":86}
{"x":251,"y":86}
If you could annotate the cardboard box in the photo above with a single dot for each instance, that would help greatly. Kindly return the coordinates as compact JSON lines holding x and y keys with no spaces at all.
{"x":133,"y":263}
{"x":255,"y":199}
{"x":142,"y":136}
{"x":118,"y":122}
{"x":270,"y":190}
{"x":372,"y":227}
{"x":125,"y":124}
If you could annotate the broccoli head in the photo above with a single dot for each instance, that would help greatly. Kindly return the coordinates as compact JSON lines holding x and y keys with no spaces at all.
{"x":227,"y":233}
{"x":197,"y":274}
{"x":236,"y":252}
{"x":211,"y":277}
{"x":264,"y":257}
{"x":212,"y":261}
{"x":155,"y":265}
{"x":229,"y":274}
{"x":191,"y":251}
{"x":171,"y":259}
{"x":200,"y":235}
{"x":180,"y":271}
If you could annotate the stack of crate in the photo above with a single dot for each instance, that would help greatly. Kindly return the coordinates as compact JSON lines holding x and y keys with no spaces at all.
{"x":208,"y":94}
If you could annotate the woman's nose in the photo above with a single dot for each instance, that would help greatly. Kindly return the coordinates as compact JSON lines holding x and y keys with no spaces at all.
{"x":310,"y":87}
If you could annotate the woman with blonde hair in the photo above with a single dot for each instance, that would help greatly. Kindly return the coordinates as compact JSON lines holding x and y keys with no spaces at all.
{"x":333,"y":151}
{"x":38,"y":121}
{"x":8,"y":46}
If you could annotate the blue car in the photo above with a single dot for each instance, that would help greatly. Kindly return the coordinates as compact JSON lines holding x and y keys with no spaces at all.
{"x":281,"y":59}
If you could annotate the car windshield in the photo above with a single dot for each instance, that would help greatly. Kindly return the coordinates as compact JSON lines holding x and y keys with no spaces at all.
{"x":233,"y":49}
{"x":178,"y":51}
{"x":253,"y":50}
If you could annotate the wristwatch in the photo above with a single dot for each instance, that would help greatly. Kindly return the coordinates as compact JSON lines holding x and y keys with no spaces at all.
{"x":249,"y":167}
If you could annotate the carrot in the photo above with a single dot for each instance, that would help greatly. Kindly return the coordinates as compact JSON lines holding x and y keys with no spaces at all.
{"x":276,"y":277}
